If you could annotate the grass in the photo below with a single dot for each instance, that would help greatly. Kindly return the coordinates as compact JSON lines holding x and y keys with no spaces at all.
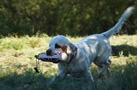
{"x":17,"y":62}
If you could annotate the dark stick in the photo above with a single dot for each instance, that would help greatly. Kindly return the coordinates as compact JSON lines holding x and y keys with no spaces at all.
{"x":36,"y":69}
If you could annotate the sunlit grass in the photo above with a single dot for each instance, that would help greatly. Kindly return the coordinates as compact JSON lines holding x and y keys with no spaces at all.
{"x":17,"y":62}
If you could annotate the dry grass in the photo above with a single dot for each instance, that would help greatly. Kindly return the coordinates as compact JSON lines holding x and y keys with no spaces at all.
{"x":17,"y":56}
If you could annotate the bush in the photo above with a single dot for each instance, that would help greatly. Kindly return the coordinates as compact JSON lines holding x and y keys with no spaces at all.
{"x":72,"y":17}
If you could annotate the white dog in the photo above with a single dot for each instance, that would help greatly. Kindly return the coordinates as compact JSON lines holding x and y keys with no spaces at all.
{"x":95,"y":48}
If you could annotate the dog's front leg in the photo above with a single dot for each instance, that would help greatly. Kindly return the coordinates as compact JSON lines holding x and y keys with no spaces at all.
{"x":88,"y":75}
{"x":60,"y":76}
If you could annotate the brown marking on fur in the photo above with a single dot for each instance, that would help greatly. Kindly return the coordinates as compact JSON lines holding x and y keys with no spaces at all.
{"x":64,"y":48}
{"x":57,"y":46}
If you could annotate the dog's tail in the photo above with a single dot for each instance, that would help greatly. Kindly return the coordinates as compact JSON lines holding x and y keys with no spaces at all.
{"x":120,"y":23}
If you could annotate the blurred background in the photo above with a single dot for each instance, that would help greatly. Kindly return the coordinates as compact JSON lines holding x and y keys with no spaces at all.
{"x":68,"y":17}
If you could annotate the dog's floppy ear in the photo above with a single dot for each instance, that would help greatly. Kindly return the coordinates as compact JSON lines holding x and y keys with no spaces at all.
{"x":71,"y":49}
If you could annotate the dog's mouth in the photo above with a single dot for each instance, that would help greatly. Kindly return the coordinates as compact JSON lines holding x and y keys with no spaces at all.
{"x":64,"y":55}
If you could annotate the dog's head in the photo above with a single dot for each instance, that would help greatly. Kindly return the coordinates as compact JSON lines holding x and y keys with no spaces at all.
{"x":61,"y":44}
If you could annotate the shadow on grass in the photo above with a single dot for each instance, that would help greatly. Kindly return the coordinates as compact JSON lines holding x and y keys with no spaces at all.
{"x":28,"y":80}
{"x":124,"y":50}
{"x":121,"y":78}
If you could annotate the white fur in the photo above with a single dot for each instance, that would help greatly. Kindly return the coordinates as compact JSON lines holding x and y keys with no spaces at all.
{"x":95,"y":48}
{"x":120,"y":23}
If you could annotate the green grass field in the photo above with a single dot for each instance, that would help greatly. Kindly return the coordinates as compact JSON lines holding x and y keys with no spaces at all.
{"x":17,"y":62}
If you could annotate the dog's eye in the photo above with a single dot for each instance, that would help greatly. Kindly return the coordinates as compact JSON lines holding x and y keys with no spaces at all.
{"x":57,"y":46}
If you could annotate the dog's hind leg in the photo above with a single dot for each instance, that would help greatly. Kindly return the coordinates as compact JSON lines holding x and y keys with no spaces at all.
{"x":105,"y":67}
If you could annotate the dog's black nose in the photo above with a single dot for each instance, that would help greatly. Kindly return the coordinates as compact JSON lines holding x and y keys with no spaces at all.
{"x":48,"y":52}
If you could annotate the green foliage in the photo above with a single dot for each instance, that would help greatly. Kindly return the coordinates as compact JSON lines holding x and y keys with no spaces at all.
{"x":72,"y":17}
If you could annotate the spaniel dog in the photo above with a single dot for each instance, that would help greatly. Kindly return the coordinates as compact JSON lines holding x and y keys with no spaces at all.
{"x":94,"y":48}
